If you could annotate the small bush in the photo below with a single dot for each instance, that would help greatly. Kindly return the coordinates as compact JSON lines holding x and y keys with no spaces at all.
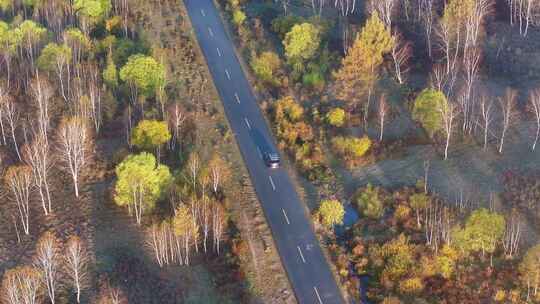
{"x":369,"y":203}
{"x":266,"y":66}
{"x":411,"y":286}
{"x":336,"y":117}
{"x":352,"y":149}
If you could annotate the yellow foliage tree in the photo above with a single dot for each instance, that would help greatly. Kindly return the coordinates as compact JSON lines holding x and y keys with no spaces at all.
{"x":359,"y":68}
{"x":331,"y":213}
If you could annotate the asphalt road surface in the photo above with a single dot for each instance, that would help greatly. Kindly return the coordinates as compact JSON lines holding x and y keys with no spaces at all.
{"x":301,"y":255}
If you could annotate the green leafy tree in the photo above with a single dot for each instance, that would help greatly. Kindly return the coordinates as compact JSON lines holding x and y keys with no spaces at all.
{"x":239,"y":17}
{"x":283,"y":24}
{"x":351,"y":147}
{"x":55,"y":57}
{"x":266,"y":66}
{"x":150,"y":134}
{"x":336,"y":117}
{"x":419,"y":202}
{"x":369,"y":203}
{"x":10,"y":40}
{"x":302,"y":42}
{"x":445,"y":261}
{"x":360,"y":67}
{"x":331,"y":213}
{"x":141,"y":182}
{"x":110,"y":73}
{"x":32,"y":34}
{"x":78,"y":42}
{"x":529,"y":270}
{"x":5,"y":5}
{"x":143,"y":74}
{"x":483,"y":230}
{"x":91,"y":11}
{"x":398,"y":257}
{"x":427,"y":110}
{"x":288,"y":109}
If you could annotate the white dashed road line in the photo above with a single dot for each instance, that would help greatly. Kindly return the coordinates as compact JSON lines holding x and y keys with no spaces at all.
{"x":301,"y":254}
{"x":317,"y":294}
{"x":237,"y":98}
{"x":218,"y":52}
{"x":247,"y":123}
{"x":272,"y":183}
{"x":203,"y":13}
{"x":210,"y":32}
{"x":286,"y":217}
{"x":259,"y":152}
{"x":227,"y":73}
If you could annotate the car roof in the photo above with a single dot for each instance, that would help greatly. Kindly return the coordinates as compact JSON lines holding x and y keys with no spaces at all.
{"x":273,"y":156}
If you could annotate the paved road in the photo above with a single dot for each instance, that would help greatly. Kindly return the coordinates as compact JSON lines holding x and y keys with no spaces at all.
{"x":308,"y":271}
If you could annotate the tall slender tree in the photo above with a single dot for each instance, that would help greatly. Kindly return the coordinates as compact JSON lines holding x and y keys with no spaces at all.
{"x":74,"y":144}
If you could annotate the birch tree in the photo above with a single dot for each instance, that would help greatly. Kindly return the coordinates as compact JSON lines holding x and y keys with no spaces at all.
{"x":76,"y":264}
{"x":176,"y":118}
{"x":427,"y":16}
{"x":56,"y":58}
{"x":141,"y":182}
{"x":385,"y":9}
{"x":529,"y":271}
{"x":471,"y":65}
{"x":18,"y":180}
{"x":383,"y":109}
{"x":512,"y":234}
{"x":10,"y":40}
{"x":534,"y":106}
{"x":194,"y":166}
{"x":508,"y":105}
{"x":74,"y":143}
{"x":218,"y":225}
{"x":47,"y":261}
{"x":448,"y":114}
{"x":11,"y":114}
{"x":486,"y":110}
{"x":32,"y":35}
{"x":38,"y":156}
{"x":219,"y":171}
{"x":401,"y":53}
{"x":21,"y":285}
{"x":184,"y":227}
{"x":41,"y":92}
{"x":4,"y":96}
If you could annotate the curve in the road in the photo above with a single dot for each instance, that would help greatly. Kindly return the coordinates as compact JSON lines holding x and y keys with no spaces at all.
{"x":301,"y":255}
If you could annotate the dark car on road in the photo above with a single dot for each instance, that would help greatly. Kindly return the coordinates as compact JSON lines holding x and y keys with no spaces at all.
{"x":271,"y":159}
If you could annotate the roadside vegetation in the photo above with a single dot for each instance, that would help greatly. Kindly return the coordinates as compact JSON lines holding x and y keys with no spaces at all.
{"x":413,"y":126}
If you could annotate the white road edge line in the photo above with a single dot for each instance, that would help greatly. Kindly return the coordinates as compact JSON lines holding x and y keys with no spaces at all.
{"x":203,"y":13}
{"x":247,"y":123}
{"x":301,"y":254}
{"x":286,"y":217}
{"x":317,"y":294}
{"x":237,"y":98}
{"x":228,"y":75}
{"x":272,"y":183}
{"x":210,"y":32}
{"x":218,"y":52}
